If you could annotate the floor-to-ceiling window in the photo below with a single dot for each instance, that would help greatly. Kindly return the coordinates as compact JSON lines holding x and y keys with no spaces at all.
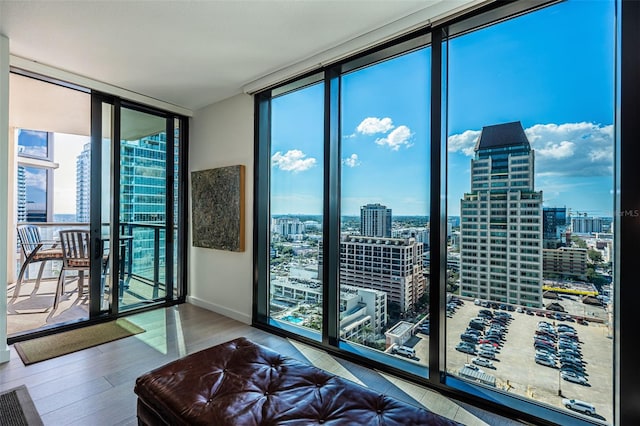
{"x":65,"y":164}
{"x":384,"y":206}
{"x":518,"y":307}
{"x":530,"y":181}
{"x":296,"y":188}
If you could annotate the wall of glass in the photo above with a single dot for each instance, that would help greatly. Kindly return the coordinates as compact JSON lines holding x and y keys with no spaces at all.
{"x":517,"y":148}
{"x":530,"y":204}
{"x":295,"y":264}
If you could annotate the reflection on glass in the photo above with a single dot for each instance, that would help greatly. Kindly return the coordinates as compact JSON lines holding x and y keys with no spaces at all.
{"x":105,"y":209}
{"x":33,"y":143}
{"x":32,"y":194}
{"x":176,"y":210}
{"x":296,"y":210}
{"x":530,"y":131}
{"x":385,"y":207}
{"x":142,"y":208}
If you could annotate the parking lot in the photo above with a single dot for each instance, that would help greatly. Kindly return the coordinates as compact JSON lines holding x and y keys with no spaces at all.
{"x":516,"y":370}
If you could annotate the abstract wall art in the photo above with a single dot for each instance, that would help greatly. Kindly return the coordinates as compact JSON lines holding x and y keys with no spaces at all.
{"x":217,"y":197}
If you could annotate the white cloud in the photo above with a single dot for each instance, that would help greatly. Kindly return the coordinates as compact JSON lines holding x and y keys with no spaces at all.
{"x":464,"y":142}
{"x":569,"y":149}
{"x":373,"y":125}
{"x":351,"y":161}
{"x":556,"y":150}
{"x":398,"y":137}
{"x":292,"y":161}
{"x":572,"y":149}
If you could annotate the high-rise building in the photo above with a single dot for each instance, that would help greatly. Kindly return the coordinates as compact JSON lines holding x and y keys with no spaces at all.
{"x":554,"y":227}
{"x":501,"y":221}
{"x":289,"y":227}
{"x":586,"y":225}
{"x":83,"y":184}
{"x":553,"y":219}
{"x":143,"y":189}
{"x":392,"y":265}
{"x":375,"y":220}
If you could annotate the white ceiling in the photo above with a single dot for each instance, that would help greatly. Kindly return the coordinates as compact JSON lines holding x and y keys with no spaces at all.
{"x":195,"y":53}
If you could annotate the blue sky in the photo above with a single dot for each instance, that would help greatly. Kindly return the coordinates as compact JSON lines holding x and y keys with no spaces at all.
{"x":558,"y":84}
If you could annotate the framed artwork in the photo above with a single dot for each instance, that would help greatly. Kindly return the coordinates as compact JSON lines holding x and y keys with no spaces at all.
{"x":218,"y":208}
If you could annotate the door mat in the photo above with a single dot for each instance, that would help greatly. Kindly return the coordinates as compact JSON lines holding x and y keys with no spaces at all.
{"x":47,"y":347}
{"x":18,"y":409}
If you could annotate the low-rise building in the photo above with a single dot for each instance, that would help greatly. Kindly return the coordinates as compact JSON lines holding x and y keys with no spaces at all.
{"x":565,"y":262}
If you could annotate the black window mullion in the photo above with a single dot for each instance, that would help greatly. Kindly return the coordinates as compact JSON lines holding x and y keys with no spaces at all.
{"x":183,"y":209}
{"x":115,"y":207}
{"x":169,"y":206}
{"x":261,"y":211}
{"x":437,"y":221}
{"x":627,"y":222}
{"x":95,"y":201}
{"x":331,"y":220}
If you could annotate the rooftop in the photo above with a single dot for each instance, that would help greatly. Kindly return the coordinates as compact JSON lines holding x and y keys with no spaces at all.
{"x":502,"y":135}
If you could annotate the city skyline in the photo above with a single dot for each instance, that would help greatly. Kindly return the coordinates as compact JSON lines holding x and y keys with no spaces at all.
{"x":559,"y":88}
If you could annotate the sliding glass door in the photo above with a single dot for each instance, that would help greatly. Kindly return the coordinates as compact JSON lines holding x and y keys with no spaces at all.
{"x":135,"y":206}
{"x":143,"y":198}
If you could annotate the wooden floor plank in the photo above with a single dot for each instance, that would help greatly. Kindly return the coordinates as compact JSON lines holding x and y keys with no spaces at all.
{"x":95,"y":386}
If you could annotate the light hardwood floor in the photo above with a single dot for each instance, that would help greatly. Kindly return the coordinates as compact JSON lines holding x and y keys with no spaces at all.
{"x":95,"y":386}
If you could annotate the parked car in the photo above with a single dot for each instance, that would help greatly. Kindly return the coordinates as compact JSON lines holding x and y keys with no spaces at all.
{"x":546,"y":362}
{"x":466,"y":348}
{"x":573,"y":377}
{"x":483,"y":362}
{"x":404,"y":351}
{"x":573,"y":370}
{"x":546,"y":353}
{"x":474,"y":367}
{"x":487,"y":347}
{"x":469,"y":338}
{"x":487,"y":354}
{"x":577,"y":405}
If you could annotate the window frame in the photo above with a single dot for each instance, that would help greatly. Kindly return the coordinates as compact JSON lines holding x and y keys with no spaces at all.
{"x":627,"y":227}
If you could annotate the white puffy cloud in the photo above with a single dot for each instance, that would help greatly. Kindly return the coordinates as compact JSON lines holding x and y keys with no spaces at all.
{"x":351,"y":161}
{"x":464,"y":142}
{"x":556,"y":150}
{"x":373,"y":125}
{"x":569,"y":149}
{"x":292,"y":161}
{"x":398,"y":137}
{"x":572,"y":149}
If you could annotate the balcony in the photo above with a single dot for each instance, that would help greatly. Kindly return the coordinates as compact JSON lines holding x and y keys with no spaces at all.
{"x":142,"y":266}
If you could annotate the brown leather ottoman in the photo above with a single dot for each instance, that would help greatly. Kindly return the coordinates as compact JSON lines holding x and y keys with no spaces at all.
{"x":242,"y":383}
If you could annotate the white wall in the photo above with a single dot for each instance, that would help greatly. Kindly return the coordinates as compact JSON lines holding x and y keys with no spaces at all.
{"x":222,"y":135}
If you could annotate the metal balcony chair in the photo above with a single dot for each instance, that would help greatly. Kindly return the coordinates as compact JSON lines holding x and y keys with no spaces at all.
{"x":35,"y":250}
{"x":76,"y":256}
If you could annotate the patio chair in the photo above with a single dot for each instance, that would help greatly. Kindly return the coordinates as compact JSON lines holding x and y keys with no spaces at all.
{"x":35,"y":250}
{"x":76,"y":253}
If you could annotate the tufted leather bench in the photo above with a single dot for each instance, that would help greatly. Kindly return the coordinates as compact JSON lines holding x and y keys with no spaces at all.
{"x":242,"y":383}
